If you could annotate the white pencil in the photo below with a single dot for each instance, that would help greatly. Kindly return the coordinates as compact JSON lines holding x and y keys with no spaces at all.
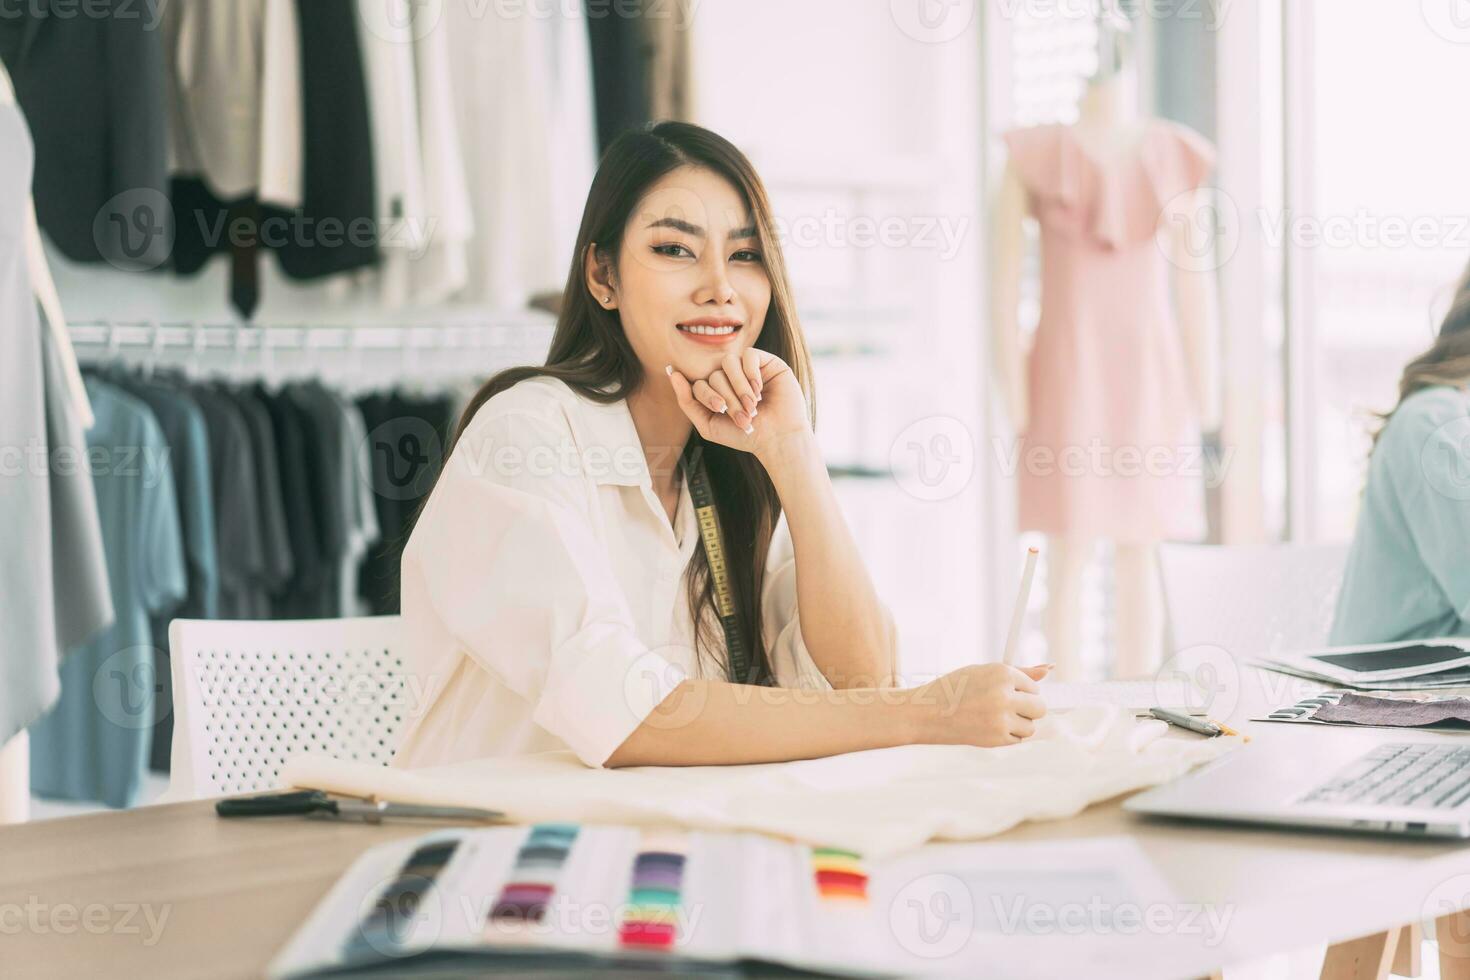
{"x":1022,"y":600}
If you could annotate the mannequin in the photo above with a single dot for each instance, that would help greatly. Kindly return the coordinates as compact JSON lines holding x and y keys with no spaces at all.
{"x":15,"y":754}
{"x":1110,"y":130}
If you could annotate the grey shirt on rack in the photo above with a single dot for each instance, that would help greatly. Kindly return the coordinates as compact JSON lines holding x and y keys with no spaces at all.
{"x":236,"y":505}
{"x":328,"y":445}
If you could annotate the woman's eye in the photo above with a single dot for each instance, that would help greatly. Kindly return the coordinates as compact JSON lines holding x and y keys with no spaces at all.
{"x":747,"y":255}
{"x":672,"y":250}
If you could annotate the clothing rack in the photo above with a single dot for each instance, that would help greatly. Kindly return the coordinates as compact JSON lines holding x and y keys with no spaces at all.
{"x":506,"y":330}
{"x":469,"y":344}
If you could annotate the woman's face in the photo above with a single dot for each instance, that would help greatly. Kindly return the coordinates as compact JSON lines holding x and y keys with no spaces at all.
{"x":690,"y":284}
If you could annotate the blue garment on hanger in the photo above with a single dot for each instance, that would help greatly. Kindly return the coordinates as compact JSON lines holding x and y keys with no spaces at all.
{"x":182,"y":422}
{"x":94,"y":743}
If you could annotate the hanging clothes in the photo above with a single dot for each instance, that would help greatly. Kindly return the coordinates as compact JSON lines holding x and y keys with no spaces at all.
{"x":54,"y":589}
{"x":278,"y":564}
{"x":333,"y":494}
{"x":388,"y":61}
{"x":182,"y":423}
{"x":94,"y":743}
{"x":237,"y":520}
{"x":234,"y":95}
{"x":505,"y":82}
{"x":280,"y":71}
{"x":620,"y":70}
{"x":289,"y":423}
{"x":573,"y":136}
{"x":93,"y":88}
{"x":443,"y":270}
{"x":237,"y":136}
{"x":363,"y":530}
{"x":423,"y":204}
{"x":338,"y":203}
{"x":667,"y":45}
{"x":643,"y":67}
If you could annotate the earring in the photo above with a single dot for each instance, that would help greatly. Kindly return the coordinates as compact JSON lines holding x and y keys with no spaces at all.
{"x":607,"y":299}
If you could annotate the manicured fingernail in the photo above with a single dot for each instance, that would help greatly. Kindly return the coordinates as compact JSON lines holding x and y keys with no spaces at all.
{"x":750,"y":430}
{"x":669,"y":370}
{"x":723,"y":407}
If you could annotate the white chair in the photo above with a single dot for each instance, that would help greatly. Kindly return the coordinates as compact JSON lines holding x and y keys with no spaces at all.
{"x":249,"y":695}
{"x":1250,"y":599}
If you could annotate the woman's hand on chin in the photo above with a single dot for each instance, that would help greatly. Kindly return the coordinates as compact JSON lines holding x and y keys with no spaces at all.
{"x":751,"y":402}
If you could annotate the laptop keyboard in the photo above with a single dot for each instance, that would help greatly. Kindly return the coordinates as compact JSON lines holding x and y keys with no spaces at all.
{"x":1401,"y":774}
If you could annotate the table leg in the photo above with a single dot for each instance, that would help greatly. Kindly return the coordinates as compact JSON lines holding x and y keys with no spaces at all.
{"x":1453,"y":934}
{"x":1408,"y":956}
{"x":1365,"y":958}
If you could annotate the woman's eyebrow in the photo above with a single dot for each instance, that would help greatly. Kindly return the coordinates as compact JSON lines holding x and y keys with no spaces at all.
{"x":679,"y":224}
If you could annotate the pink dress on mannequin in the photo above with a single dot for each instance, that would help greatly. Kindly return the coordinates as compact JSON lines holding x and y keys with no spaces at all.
{"x":1112,"y":444}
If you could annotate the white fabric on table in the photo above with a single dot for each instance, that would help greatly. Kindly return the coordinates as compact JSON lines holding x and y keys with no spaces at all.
{"x":877,"y":802}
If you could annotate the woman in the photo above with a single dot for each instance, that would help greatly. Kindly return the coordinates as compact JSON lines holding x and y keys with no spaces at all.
{"x":1408,"y":574}
{"x":552,"y":584}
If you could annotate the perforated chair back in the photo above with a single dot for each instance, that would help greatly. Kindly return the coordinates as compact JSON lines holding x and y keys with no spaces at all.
{"x":249,"y":695}
{"x":1251,"y":599}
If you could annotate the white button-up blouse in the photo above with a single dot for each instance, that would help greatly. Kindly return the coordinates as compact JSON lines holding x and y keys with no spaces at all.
{"x":543,"y":589}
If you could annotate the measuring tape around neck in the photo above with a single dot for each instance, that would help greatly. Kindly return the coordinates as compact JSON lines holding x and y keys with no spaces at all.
{"x":703,"y":498}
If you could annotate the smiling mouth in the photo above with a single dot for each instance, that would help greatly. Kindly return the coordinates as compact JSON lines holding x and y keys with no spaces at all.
{"x":708,"y":330}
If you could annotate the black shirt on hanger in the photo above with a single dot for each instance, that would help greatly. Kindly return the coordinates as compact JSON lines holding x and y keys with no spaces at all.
{"x":339,"y":207}
{"x":289,"y":425}
{"x":277,"y":550}
{"x":92,"y":91}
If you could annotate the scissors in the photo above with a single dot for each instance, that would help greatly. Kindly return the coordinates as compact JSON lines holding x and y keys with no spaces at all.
{"x":315,"y":803}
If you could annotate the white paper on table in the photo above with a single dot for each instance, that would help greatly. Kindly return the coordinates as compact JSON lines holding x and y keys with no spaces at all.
{"x":1137,"y":697}
{"x":1095,"y":907}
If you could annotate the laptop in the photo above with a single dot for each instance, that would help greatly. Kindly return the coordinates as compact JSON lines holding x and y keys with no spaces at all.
{"x":1418,"y":789}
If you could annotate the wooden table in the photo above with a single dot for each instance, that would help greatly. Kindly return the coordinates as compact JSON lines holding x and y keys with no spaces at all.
{"x":76,"y":893}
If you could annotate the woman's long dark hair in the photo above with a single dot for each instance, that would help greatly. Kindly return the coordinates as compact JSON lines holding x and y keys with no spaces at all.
{"x":1447,"y":361}
{"x":590,"y":352}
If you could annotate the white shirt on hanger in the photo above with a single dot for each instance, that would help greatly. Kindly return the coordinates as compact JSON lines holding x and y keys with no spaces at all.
{"x":523,"y":103}
{"x":424,"y":214}
{"x":543,"y":589}
{"x":447,"y":221}
{"x":235,"y":80}
{"x":398,"y":175}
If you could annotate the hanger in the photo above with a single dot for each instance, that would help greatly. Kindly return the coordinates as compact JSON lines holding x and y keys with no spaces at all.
{"x":155,"y":348}
{"x":195,"y":371}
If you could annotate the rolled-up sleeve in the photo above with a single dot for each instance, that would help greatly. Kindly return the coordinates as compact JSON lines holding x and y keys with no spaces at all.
{"x":791,"y":661}
{"x":523,"y":582}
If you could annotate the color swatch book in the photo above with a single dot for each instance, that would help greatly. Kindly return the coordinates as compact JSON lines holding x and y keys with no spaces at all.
{"x":561,"y":897}
{"x":586,"y":895}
